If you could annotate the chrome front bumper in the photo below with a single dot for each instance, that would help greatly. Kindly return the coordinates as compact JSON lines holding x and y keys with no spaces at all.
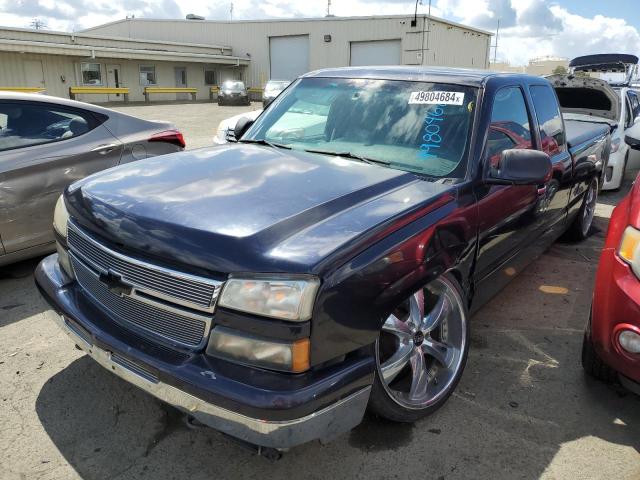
{"x":324,"y":424}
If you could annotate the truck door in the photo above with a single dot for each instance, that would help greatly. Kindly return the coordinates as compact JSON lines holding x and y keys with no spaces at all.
{"x":506,"y":213}
{"x":554,"y":198}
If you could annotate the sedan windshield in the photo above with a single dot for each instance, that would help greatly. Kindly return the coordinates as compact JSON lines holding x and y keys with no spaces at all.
{"x":235,"y":86}
{"x":275,"y":86}
{"x":414,"y":126}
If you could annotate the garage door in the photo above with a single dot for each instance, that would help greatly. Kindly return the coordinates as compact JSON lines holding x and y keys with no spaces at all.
{"x":379,"y":52}
{"x":289,"y":56}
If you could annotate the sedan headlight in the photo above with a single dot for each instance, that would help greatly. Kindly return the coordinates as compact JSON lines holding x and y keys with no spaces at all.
{"x":289,"y":298}
{"x":629,"y":249}
{"x":61,"y":217}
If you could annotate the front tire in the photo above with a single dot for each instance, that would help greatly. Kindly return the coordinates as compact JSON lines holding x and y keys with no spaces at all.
{"x":421,"y":352}
{"x":579,"y":229}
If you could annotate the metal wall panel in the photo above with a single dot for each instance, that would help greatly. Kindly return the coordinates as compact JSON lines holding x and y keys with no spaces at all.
{"x":376,"y":52}
{"x":288,"y":56}
{"x":433,"y":42}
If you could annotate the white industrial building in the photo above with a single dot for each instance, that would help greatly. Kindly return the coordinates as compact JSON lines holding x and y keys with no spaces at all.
{"x":136,"y":52}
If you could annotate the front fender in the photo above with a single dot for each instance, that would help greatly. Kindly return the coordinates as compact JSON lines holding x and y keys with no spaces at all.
{"x":357,"y":297}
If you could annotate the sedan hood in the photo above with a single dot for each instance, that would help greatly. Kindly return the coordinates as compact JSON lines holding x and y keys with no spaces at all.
{"x":244,"y":207}
{"x":586,"y":96}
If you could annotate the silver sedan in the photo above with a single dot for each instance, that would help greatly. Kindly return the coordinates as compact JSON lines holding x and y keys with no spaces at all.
{"x":47,"y":143}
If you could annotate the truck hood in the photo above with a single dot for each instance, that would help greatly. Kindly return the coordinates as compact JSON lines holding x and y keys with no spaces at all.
{"x":586,"y":96}
{"x":239,"y":208}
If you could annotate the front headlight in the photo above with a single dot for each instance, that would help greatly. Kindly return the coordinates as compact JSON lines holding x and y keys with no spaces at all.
{"x":615,"y":144}
{"x":629,"y":249}
{"x":61,"y":217}
{"x":288,"y":298}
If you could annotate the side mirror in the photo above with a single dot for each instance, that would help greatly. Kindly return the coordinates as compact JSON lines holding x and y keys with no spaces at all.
{"x":242,"y":125}
{"x":632,"y":138}
{"x":521,"y":167}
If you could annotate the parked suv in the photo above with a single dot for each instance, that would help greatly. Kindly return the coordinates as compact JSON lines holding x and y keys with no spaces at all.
{"x":278,"y":286}
{"x":233,"y":92}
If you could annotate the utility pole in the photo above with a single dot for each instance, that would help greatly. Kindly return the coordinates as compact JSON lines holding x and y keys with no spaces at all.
{"x":328,"y":8}
{"x":495,"y":46}
{"x":38,"y":24}
{"x":231,"y":11}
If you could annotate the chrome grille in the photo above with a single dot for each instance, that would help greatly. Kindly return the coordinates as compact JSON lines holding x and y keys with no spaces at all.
{"x":134,"y":367}
{"x":176,"y":287}
{"x":184,"y":328}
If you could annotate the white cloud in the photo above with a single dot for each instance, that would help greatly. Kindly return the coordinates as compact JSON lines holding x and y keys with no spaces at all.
{"x":541,"y":28}
{"x":529,"y":28}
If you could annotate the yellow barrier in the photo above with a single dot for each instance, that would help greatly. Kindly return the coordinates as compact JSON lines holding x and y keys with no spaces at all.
{"x":23,"y":89}
{"x":73,"y":91}
{"x":149,"y":90}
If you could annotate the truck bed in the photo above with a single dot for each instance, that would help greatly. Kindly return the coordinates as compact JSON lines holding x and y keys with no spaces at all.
{"x":579,"y":131}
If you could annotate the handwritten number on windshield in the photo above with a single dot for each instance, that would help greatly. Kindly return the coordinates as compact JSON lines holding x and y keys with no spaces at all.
{"x":431,"y":133}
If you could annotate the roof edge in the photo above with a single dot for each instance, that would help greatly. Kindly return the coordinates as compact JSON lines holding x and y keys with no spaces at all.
{"x":290,"y":19}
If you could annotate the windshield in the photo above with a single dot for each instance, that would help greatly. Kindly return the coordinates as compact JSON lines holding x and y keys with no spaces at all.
{"x":229,"y":85}
{"x":275,"y":85}
{"x":414,"y":126}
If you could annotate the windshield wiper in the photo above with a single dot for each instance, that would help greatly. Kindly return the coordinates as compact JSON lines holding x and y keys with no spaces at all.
{"x":264,"y":142}
{"x":353,"y":156}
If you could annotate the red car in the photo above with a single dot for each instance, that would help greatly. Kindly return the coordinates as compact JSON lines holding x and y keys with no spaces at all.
{"x":611,"y":348}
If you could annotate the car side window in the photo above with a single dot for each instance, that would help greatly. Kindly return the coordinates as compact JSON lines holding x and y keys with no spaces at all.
{"x":635,"y":103}
{"x":510,"y":126}
{"x":628,"y":115}
{"x":25,"y":124}
{"x":548,"y":112}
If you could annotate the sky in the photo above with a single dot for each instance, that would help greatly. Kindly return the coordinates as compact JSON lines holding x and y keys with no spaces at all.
{"x":528,"y":28}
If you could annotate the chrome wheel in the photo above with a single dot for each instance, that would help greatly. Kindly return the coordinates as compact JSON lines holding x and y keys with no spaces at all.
{"x":591,"y":198}
{"x":421,"y":347}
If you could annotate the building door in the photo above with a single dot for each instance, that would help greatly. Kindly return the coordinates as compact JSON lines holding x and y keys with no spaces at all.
{"x":181,"y":81}
{"x":378,"y":52}
{"x":289,"y":56}
{"x":114,"y":79}
{"x":33,"y":73}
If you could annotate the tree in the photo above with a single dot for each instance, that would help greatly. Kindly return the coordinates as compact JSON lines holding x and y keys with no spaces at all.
{"x":559,"y":70}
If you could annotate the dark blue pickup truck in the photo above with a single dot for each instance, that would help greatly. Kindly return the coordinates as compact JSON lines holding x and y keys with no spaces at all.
{"x":328,"y":261}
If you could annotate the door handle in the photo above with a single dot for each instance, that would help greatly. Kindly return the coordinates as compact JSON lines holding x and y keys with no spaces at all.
{"x":104,"y":149}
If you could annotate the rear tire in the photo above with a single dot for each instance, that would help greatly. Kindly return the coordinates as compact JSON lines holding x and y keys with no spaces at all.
{"x":421,"y":352}
{"x":220,"y":103}
{"x":579,"y":229}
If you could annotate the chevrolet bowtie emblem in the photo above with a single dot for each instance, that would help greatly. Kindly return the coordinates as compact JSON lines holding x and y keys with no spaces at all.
{"x":115,"y":284}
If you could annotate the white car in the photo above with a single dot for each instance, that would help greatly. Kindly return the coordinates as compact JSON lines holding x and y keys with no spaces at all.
{"x":621,"y":154}
{"x":226,"y":126}
{"x":295,"y":124}
{"x":618,"y":70}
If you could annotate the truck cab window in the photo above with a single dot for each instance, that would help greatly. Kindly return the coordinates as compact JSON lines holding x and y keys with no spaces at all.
{"x":510,"y":127}
{"x":551,"y":128}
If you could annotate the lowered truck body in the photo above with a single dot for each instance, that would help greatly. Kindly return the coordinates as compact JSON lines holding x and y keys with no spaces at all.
{"x":276,"y":287}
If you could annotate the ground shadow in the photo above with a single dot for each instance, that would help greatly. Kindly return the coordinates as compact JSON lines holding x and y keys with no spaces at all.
{"x":19,"y":297}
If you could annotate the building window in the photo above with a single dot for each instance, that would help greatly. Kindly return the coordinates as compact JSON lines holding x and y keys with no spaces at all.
{"x":91,"y":73}
{"x":148,"y":75}
{"x":209,"y":76}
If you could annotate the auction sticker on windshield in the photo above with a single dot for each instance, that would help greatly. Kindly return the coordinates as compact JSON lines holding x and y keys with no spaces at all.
{"x":436,"y":97}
